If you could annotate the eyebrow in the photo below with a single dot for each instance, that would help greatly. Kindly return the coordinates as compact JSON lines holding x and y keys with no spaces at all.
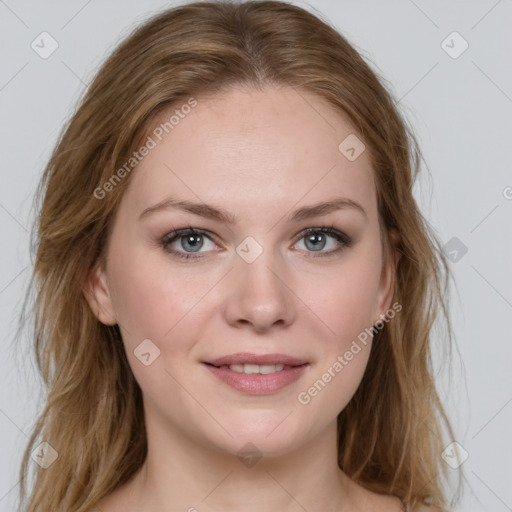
{"x":211,"y":212}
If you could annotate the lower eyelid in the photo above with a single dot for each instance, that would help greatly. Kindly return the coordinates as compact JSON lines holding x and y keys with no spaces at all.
{"x":342,"y":239}
{"x":170,"y":238}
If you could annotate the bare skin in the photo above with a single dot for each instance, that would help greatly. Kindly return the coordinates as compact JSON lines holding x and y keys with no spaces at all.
{"x":259,"y":156}
{"x":357,"y":499}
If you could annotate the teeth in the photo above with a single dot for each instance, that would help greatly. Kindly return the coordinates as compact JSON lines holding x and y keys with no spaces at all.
{"x":264,"y":369}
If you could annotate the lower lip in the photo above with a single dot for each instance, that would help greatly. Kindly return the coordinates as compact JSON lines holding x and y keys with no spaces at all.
{"x":256,"y":383}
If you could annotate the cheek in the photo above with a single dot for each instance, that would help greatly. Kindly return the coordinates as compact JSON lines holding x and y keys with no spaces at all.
{"x":345,"y":352}
{"x":150,"y":299}
{"x":152,"y":302}
{"x":333,"y":386}
{"x":346,"y":303}
{"x":347,"y":308}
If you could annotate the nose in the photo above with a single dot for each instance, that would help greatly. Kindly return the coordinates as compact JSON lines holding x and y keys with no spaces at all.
{"x":258,"y":296}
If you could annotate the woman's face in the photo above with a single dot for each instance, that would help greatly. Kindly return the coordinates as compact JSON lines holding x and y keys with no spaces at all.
{"x":249,"y":172}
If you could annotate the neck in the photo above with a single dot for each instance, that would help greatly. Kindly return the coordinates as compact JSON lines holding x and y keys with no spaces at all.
{"x":193,"y":477}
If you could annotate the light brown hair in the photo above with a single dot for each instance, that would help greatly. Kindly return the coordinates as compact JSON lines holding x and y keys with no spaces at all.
{"x":391,"y":432}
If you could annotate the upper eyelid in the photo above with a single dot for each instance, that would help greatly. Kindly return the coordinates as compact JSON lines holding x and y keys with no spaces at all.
{"x":176,"y":234}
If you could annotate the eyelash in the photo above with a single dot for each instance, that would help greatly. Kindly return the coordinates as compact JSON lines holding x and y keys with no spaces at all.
{"x":344,"y":240}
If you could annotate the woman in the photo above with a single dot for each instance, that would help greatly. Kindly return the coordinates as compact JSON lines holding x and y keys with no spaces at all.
{"x":235,"y":285}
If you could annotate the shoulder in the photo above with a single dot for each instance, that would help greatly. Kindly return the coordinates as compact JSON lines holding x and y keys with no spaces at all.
{"x":375,"y":502}
{"x":114,"y":502}
{"x":390,"y":503}
{"x":423,"y":508}
{"x":121,"y":499}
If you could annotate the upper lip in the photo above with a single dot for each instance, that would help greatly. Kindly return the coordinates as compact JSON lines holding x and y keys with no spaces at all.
{"x":259,"y":359}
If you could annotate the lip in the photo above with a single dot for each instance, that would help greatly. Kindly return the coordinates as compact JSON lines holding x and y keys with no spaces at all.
{"x":255,"y":383}
{"x":259,"y":359}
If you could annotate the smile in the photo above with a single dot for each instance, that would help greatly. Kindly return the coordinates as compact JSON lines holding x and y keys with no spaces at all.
{"x":257,"y":379}
{"x":263,"y":369}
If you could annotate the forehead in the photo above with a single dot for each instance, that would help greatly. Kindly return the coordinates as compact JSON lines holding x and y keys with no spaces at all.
{"x":261,"y":148}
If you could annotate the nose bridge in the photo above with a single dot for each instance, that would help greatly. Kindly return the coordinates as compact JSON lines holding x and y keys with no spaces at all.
{"x":258,"y":291}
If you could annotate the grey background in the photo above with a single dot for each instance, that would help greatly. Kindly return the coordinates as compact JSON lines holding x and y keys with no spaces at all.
{"x":460,"y":109}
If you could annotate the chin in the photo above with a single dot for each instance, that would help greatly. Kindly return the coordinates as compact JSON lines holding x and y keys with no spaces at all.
{"x":265,"y":437}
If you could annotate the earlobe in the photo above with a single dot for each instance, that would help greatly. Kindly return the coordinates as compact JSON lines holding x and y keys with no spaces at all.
{"x":98,"y":296}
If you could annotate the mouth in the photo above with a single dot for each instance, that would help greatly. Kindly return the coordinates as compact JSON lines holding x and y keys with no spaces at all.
{"x":252,"y":369}
{"x":257,"y":374}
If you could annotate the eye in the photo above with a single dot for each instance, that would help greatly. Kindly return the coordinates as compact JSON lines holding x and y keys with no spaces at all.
{"x":187,"y":243}
{"x":316,"y":240}
{"x":190,"y":240}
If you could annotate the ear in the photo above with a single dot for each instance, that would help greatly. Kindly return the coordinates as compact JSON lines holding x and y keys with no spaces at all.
{"x":98,"y":296}
{"x":388,"y":276}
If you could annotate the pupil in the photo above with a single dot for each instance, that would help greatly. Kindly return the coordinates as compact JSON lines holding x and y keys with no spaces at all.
{"x":194,"y":242}
{"x":194,"y":245}
{"x":313,"y":239}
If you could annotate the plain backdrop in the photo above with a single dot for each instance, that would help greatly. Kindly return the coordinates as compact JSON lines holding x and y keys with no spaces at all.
{"x":455,"y":90}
